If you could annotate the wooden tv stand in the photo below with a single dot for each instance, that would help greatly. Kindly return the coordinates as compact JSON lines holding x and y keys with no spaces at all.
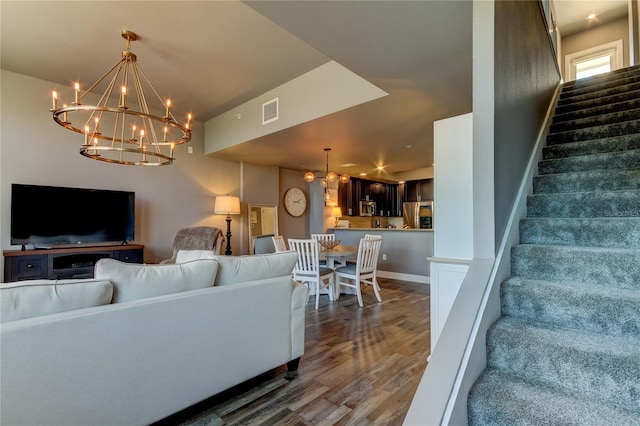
{"x":63,"y":263}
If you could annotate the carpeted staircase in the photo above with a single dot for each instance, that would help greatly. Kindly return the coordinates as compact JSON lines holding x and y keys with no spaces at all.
{"x":567,"y":347}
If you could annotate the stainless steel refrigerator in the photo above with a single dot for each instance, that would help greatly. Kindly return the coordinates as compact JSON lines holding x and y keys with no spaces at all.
{"x":418,"y":214}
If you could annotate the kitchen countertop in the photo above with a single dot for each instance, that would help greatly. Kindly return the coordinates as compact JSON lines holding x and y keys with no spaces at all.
{"x":383,"y":229}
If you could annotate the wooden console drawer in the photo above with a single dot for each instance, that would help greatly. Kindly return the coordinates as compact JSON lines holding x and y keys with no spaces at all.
{"x":26,"y":268}
{"x":129,"y":256}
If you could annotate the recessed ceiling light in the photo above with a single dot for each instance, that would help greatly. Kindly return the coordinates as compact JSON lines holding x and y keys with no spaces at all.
{"x":363,"y":174}
{"x":348,"y":165}
{"x":380,"y":167}
{"x":592,"y":16}
{"x":409,"y":146}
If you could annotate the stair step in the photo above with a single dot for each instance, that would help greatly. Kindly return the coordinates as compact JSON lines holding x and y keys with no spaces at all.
{"x":605,"y":88}
{"x":562,"y":111}
{"x":589,"y":265}
{"x":566,"y":350}
{"x":590,"y":308}
{"x":599,"y":113}
{"x":597,"y":120}
{"x":502,"y":399}
{"x":598,"y":146}
{"x":569,"y":99}
{"x":595,"y":132}
{"x":621,"y":233}
{"x":613,"y":375}
{"x":616,"y":75}
{"x":582,"y":163}
{"x":597,"y":180}
{"x":624,"y":203}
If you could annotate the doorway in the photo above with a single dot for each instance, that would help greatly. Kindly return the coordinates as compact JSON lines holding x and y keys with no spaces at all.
{"x":596,"y":60}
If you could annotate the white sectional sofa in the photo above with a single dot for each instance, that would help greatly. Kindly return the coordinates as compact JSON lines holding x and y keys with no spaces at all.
{"x":151,"y":347}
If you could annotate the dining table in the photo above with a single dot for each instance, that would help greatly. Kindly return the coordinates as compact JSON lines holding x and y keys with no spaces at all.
{"x":338,"y":255}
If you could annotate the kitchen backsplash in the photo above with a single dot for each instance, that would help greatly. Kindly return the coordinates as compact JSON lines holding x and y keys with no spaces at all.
{"x":369,"y":221}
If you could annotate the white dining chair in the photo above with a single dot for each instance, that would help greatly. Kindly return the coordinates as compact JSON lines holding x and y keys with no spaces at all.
{"x":363,"y":271}
{"x":323,"y":237}
{"x":330,"y":237}
{"x":308,"y":270}
{"x":367,"y":236}
{"x":279,"y":244}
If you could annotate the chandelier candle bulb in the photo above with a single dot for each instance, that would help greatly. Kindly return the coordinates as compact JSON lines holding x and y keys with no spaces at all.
{"x":133,"y":133}
{"x":141,"y":138}
{"x":165,"y":134}
{"x":54,"y":98}
{"x":76,"y":86}
{"x":168,"y":105}
{"x":86,"y":135}
{"x":123,"y":97}
{"x":171,"y":153}
{"x":96,"y":128}
{"x":64,"y":115}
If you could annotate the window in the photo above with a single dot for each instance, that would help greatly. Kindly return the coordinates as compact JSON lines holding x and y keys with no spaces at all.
{"x":599,"y":59}
{"x":593,"y":66}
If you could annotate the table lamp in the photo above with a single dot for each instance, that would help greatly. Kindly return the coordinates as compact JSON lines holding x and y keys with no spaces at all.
{"x":227,"y":204}
{"x":337,"y":213}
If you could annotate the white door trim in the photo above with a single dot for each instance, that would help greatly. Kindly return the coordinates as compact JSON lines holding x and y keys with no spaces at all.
{"x":614,"y":49}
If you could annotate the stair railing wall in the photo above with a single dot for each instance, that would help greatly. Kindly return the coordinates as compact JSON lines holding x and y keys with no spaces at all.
{"x":532,"y":91}
{"x":443,"y":391}
{"x":474,"y":361}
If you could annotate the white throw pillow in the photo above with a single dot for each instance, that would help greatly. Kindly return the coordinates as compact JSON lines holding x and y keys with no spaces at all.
{"x":184,"y":256}
{"x":43,"y":297}
{"x":132,"y":281}
{"x":234,"y":269}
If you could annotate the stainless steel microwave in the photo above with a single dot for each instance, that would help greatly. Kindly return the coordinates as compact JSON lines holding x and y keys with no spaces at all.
{"x":367,"y":208}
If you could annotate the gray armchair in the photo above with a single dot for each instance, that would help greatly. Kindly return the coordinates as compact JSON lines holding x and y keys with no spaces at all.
{"x":196,"y":238}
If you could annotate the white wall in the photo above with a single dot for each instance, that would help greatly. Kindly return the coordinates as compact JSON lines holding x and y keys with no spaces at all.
{"x":35,"y":150}
{"x":601,"y":34}
{"x":453,"y":187}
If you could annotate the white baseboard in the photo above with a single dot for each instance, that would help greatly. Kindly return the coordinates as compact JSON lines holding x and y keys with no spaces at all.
{"x":422,"y":279}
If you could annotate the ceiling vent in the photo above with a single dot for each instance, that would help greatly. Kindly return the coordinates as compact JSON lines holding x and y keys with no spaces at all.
{"x":270,"y":111}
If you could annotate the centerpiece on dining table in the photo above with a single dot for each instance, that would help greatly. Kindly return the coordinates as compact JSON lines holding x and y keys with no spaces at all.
{"x":328,"y":244}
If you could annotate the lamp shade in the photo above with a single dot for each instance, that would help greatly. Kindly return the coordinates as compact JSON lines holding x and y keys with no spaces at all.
{"x":227,"y":204}
{"x":336,"y":212}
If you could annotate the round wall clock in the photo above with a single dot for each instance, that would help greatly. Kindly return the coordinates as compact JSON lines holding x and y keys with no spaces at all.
{"x":295,"y":202}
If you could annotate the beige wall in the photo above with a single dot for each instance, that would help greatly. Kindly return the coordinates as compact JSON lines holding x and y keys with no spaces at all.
{"x":34,"y":150}
{"x":289,"y":226}
{"x":600,"y":34}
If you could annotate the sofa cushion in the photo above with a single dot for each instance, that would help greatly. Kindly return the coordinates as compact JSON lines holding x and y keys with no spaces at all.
{"x":236,"y":269}
{"x":132,"y":281}
{"x":184,"y":256}
{"x":43,"y":297}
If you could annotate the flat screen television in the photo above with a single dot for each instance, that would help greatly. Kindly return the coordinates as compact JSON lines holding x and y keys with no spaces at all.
{"x":48,"y":215}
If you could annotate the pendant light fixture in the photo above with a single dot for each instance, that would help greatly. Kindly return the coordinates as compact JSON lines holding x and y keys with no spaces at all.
{"x":328,"y":177}
{"x":113,"y":130}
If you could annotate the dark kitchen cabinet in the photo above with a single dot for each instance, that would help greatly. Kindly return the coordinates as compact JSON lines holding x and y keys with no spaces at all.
{"x":386,"y":196}
{"x":418,"y":190}
{"x":410,"y":191}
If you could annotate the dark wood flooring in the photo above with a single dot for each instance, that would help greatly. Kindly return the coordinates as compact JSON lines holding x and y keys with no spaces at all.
{"x":360,"y":366}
